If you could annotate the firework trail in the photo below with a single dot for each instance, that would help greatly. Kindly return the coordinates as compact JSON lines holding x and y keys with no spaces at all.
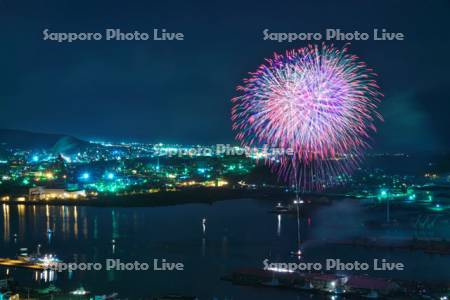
{"x":320,"y":102}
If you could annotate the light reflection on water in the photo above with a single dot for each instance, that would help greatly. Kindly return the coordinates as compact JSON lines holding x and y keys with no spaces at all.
{"x":211,"y":240}
{"x":279,"y":225}
{"x":6,"y":222}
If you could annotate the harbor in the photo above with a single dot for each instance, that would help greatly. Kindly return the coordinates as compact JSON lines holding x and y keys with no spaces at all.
{"x":346,"y":286}
{"x":214,"y":245}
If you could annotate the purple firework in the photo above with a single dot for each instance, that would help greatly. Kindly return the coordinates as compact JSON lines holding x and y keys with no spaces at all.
{"x":320,"y":102}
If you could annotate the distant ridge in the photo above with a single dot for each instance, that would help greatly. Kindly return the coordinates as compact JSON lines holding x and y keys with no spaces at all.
{"x":27,"y":140}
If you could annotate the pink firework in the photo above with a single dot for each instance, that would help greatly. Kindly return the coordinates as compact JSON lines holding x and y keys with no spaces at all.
{"x":318,"y":102}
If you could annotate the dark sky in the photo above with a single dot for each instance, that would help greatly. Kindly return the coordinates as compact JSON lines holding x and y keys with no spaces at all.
{"x":181,"y":91}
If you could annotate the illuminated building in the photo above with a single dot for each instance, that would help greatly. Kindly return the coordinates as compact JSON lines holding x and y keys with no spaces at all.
{"x":41,"y":193}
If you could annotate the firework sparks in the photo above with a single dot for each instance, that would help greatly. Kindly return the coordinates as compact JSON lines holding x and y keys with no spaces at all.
{"x":320,"y":102}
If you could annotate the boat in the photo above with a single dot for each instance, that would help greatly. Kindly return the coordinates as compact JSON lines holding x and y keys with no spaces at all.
{"x":44,"y":260}
{"x":297,"y":253}
{"x":282,"y":209}
{"x":36,"y":258}
{"x":80,"y":292}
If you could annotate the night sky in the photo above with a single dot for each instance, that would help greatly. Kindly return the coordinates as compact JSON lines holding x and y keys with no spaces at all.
{"x":180,"y":91}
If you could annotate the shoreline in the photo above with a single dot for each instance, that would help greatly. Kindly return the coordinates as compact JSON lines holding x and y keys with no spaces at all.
{"x":199,"y":196}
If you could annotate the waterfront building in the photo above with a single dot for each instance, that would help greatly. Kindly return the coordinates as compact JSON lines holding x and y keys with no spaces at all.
{"x":42,"y":193}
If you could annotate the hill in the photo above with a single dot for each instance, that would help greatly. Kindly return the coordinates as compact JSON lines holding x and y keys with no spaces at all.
{"x":26,"y":140}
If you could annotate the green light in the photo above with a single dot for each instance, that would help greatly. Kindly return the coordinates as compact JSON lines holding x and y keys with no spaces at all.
{"x":412,"y":197}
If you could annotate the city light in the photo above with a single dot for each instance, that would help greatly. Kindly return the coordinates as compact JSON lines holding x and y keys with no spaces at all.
{"x":230,"y":150}
{"x":383,"y":193}
{"x":201,"y":170}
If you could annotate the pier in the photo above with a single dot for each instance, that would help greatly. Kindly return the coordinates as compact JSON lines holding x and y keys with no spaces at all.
{"x":17,"y":263}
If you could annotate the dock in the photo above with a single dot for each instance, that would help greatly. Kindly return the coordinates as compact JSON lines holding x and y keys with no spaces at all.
{"x":17,"y":263}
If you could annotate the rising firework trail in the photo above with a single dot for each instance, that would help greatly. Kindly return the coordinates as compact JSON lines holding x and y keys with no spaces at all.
{"x":319,"y":102}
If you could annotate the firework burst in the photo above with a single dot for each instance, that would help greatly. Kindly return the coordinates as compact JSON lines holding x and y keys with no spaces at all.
{"x":320,"y":102}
